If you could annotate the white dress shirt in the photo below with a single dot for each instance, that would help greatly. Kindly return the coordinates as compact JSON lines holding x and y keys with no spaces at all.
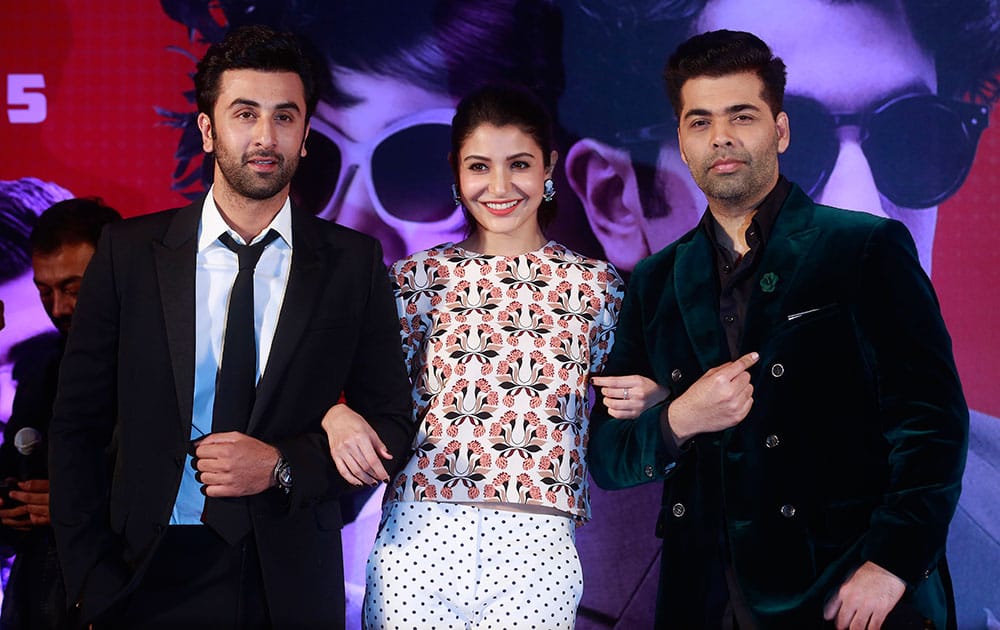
{"x":216,"y":270}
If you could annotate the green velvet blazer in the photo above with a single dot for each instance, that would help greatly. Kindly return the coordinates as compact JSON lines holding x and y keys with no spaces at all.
{"x":854,"y":447}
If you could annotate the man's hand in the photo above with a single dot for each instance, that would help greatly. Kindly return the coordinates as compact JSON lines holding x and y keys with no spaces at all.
{"x":234,"y":464}
{"x":628,"y":396}
{"x":865,"y":599}
{"x":15,"y":517}
{"x":720,"y":399}
{"x":33,"y":509}
{"x":355,"y":447}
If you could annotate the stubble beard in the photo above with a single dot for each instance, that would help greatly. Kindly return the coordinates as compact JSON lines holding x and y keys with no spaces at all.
{"x":247,"y":183}
{"x":749,"y":184}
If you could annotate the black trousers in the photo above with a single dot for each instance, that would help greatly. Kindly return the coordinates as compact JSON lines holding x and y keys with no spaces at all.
{"x":196,"y":580}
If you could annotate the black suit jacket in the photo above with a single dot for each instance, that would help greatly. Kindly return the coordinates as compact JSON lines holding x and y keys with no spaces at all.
{"x":122,"y":418}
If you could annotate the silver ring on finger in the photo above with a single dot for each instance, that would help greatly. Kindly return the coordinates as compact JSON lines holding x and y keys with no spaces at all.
{"x":625,"y":393}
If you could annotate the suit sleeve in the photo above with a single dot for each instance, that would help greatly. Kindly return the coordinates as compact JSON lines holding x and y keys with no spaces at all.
{"x":79,"y":435}
{"x":625,"y":453}
{"x":924,"y":415}
{"x":376,"y":387}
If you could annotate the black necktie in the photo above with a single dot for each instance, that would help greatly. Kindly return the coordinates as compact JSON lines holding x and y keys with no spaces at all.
{"x":236,"y":381}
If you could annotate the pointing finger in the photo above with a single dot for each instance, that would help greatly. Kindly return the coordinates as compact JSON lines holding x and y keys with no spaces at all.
{"x":741,"y":365}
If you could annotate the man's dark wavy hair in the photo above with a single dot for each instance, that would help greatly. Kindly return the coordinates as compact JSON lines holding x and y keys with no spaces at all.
{"x":254,"y":47}
{"x":71,"y":221}
{"x":721,"y":53}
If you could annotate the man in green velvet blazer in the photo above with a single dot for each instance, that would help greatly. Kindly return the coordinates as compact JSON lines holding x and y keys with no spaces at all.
{"x":812,"y":430}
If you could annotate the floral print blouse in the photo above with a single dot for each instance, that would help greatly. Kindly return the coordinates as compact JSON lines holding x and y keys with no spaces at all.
{"x":499,"y":350}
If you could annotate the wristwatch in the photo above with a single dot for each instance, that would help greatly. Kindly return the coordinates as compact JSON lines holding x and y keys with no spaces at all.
{"x":283,"y":474}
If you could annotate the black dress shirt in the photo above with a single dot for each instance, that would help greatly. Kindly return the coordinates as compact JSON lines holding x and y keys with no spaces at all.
{"x":725,"y":607}
{"x":736,"y":274}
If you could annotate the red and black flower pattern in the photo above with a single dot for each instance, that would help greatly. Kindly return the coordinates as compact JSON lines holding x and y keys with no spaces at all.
{"x":499,"y":350}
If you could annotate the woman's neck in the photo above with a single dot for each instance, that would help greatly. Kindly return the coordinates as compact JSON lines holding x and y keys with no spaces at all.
{"x":493,"y":244}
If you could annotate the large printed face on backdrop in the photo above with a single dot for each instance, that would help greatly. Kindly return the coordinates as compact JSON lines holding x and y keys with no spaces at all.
{"x":867,"y":129}
{"x":385,"y":163}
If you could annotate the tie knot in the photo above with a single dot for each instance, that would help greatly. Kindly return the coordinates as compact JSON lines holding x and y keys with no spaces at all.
{"x":248,"y":254}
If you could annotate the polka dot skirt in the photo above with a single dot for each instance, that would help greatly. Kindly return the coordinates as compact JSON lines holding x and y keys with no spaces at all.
{"x":445,"y":565}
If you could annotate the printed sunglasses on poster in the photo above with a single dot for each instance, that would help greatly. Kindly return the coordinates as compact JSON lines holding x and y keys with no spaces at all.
{"x":405,"y":167}
{"x":919,"y":147}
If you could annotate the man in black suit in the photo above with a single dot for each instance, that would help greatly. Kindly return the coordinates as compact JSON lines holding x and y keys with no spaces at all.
{"x":220,"y":506}
{"x":62,"y":244}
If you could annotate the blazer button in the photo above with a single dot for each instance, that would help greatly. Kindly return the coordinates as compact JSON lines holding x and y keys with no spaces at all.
{"x":777,"y":370}
{"x":788,"y":510}
{"x":678,"y":510}
{"x":648,"y":471}
{"x":771,"y":441}
{"x":676,"y":375}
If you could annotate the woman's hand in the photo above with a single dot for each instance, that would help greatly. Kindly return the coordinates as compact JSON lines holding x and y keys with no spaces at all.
{"x":355,"y":447}
{"x":628,"y":396}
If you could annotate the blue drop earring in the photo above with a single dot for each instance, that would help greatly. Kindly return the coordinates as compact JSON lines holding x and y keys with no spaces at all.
{"x":455,"y":195}
{"x":549,"y":190}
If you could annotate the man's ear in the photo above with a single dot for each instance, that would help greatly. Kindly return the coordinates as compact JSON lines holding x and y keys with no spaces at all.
{"x":205,"y":126}
{"x":680,"y":146}
{"x":603,"y":178}
{"x":784,"y":131}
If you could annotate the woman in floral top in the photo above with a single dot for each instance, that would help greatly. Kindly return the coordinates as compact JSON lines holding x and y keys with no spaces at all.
{"x":501,"y":333}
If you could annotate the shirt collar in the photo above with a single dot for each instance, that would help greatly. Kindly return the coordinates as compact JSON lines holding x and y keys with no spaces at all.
{"x":763,"y":220}
{"x":212,"y":225}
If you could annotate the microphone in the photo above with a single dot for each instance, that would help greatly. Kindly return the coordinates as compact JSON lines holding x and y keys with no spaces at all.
{"x":29,"y":442}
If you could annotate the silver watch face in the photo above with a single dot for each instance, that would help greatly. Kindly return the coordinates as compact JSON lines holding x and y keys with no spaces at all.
{"x":285,"y":475}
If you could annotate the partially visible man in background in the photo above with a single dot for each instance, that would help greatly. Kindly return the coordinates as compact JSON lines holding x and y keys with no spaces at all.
{"x":21,"y":201}
{"x":62,"y":244}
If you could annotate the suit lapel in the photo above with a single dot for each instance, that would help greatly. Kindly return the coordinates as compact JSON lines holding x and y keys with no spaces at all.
{"x":306,"y":278}
{"x":791,"y":240}
{"x":175,"y":258}
{"x":697,"y":299}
